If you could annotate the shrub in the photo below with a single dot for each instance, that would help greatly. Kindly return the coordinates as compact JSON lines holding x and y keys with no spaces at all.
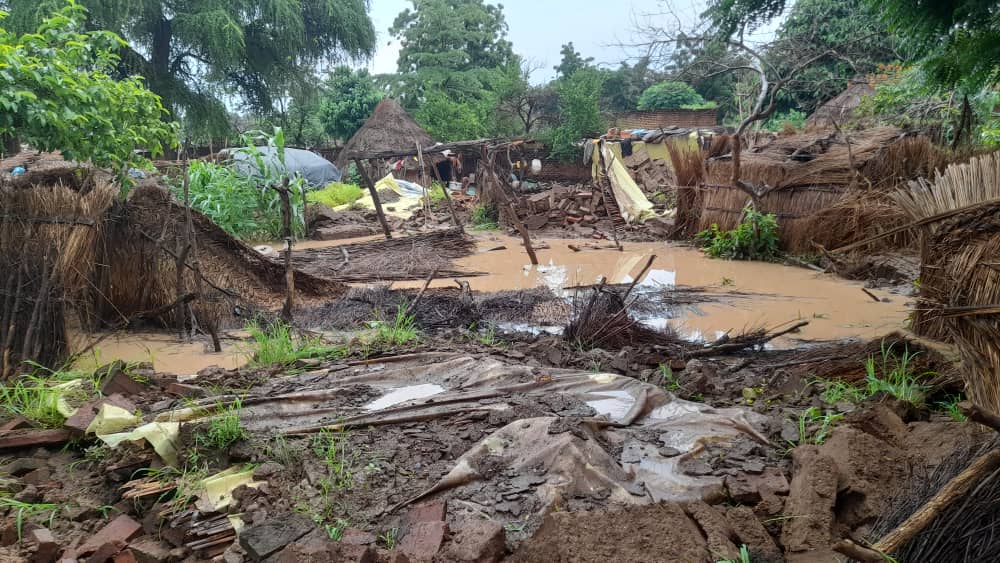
{"x":335,"y":194}
{"x":756,"y":238}
{"x":669,"y":95}
{"x":485,"y":217}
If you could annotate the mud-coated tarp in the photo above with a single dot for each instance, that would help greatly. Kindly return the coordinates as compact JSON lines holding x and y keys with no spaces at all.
{"x":602,"y":432}
{"x":634,"y":205}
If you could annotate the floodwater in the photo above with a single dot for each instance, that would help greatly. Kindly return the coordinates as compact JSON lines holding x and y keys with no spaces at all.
{"x":773,"y":294}
{"x":747,"y":295}
{"x":166,"y":351}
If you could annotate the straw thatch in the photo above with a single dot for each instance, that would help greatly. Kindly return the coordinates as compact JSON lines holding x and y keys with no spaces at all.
{"x":825,"y":188}
{"x":388,"y":128}
{"x":839,"y":109}
{"x":70,"y":245}
{"x":960,"y":268}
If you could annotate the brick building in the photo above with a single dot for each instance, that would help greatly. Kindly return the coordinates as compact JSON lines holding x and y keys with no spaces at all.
{"x":661,"y":118}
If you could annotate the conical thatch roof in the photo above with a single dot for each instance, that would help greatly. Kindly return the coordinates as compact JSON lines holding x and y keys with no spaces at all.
{"x":388,"y":128}
{"x":840,"y":107}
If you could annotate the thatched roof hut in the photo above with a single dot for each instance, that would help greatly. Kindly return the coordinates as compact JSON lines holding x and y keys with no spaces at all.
{"x":840,"y":108}
{"x":388,"y":128}
{"x":825,"y":188}
{"x":70,"y":245}
{"x":959,"y":274}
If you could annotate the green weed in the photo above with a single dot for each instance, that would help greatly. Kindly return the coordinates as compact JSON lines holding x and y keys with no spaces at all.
{"x":224,"y":429}
{"x":333,"y":449}
{"x":949,"y":406}
{"x":28,"y":510}
{"x":400,"y":331}
{"x":335,"y":194}
{"x":335,"y":531}
{"x":669,"y":378}
{"x":756,"y":238}
{"x":436,"y":193}
{"x":744,"y":556}
{"x":33,"y":398}
{"x":814,"y":426}
{"x":388,"y":538}
{"x":489,"y":336}
{"x":485,"y":218}
{"x":837,"y":392}
{"x":893,"y":375}
{"x":275,"y":344}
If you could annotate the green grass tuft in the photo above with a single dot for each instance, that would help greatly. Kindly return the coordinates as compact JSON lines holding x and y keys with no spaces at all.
{"x":225,"y":428}
{"x":485,"y":218}
{"x":400,"y":331}
{"x":275,"y":344}
{"x":894,"y":375}
{"x":26,"y":510}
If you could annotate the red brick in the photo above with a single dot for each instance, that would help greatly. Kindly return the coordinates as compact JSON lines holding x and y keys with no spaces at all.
{"x":423,"y":540}
{"x":354,"y":536}
{"x":662,"y":118}
{"x":27,"y":438}
{"x":122,"y":384}
{"x":433,"y":511}
{"x":149,"y":550}
{"x":483,"y":541}
{"x":17,"y":423}
{"x":184,"y":390}
{"x":120,"y":530}
{"x":106,"y":552}
{"x":125,"y":557}
{"x":46,"y":547}
{"x":83,"y":416}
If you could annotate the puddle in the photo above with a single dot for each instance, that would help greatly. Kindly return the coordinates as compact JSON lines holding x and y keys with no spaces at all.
{"x":166,"y":351}
{"x":616,"y":406}
{"x":402,"y":395}
{"x":773,"y":293}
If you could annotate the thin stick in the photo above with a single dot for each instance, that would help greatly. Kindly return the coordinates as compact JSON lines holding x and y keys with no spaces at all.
{"x":857,"y":552}
{"x":980,"y":415}
{"x":413,"y":304}
{"x":649,"y":263}
{"x":955,"y":489}
{"x":375,"y":200}
{"x":872,"y":295}
{"x":286,"y":213}
{"x":423,"y":183}
{"x":447,"y":198}
{"x":524,"y":234}
{"x":736,"y":346}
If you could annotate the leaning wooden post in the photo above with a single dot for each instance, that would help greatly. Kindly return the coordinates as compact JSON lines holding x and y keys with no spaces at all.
{"x":423,"y":183}
{"x":524,"y":234}
{"x":447,"y":198}
{"x":286,"y":219}
{"x":375,"y":200}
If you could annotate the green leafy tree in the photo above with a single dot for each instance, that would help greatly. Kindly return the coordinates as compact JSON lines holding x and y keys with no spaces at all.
{"x":849,"y":27}
{"x":960,"y":39}
{"x":572,"y":61}
{"x":579,"y":112}
{"x":455,"y":60}
{"x":669,"y":95}
{"x":58,"y":94}
{"x":192,"y":51}
{"x":348,"y":98}
{"x":624,"y":85}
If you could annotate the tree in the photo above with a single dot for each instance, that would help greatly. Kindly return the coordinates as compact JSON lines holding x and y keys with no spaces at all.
{"x":191,"y":50}
{"x":571,"y":62}
{"x":669,"y":95}
{"x":348,"y":99}
{"x":579,"y":114}
{"x":848,"y":26}
{"x":58,"y":94}
{"x":455,"y":58}
{"x":960,"y":39}
{"x":623,"y":86}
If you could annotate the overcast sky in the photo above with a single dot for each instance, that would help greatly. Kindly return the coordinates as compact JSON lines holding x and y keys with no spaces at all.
{"x":538,"y":28}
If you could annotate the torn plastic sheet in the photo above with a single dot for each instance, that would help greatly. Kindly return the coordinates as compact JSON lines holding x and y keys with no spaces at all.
{"x":161,"y":435}
{"x":606,"y":439}
{"x":217,"y":490}
{"x":111,"y":419}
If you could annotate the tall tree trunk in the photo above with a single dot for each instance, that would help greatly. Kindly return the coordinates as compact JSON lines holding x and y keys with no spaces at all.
{"x":11,"y":145}
{"x":159,"y":61}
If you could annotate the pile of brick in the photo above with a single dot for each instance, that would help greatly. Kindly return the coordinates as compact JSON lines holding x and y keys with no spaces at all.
{"x":564,"y":206}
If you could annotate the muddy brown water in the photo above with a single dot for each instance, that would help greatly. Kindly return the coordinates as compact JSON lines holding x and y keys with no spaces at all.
{"x":835,"y":308}
{"x":772,"y":294}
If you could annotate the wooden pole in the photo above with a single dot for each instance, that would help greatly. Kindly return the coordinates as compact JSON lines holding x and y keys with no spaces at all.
{"x":375,"y":200}
{"x":210,"y":323}
{"x":447,"y":198}
{"x":524,"y":234}
{"x":286,"y":218}
{"x":423,"y":183}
